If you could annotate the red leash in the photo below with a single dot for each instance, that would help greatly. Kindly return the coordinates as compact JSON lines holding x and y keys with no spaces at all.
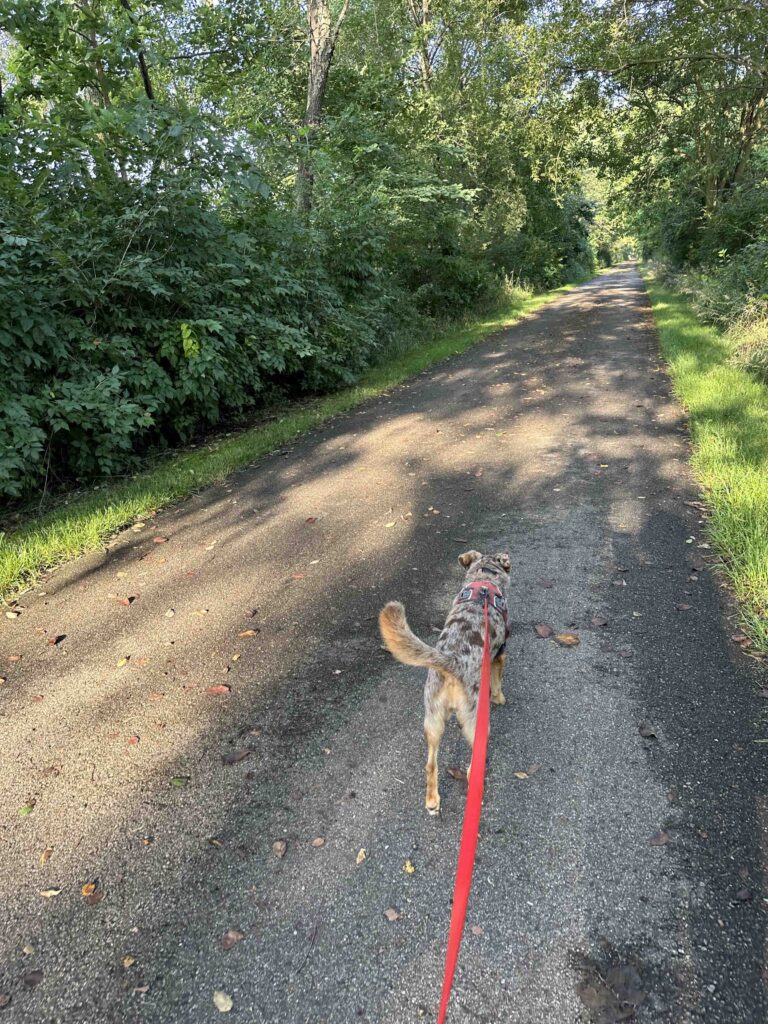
{"x":470,"y":828}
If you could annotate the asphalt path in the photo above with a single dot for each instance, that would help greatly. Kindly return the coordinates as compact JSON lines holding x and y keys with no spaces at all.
{"x":622,"y":878}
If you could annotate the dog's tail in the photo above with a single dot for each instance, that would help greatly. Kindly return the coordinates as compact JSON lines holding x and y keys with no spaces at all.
{"x":405,"y":645}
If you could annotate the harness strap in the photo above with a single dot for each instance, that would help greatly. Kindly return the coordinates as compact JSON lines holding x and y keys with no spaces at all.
{"x":482,"y":591}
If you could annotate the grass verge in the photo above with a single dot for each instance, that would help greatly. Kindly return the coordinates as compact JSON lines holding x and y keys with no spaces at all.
{"x":728,"y":415}
{"x":86,"y":521}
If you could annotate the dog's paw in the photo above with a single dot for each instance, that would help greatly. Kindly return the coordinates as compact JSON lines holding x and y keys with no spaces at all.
{"x":433,"y":807}
{"x":498,"y":698}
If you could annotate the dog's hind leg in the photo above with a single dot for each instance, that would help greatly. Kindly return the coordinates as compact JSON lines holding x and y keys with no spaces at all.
{"x":497,"y":671}
{"x":434,"y":726}
{"x":466,"y":718}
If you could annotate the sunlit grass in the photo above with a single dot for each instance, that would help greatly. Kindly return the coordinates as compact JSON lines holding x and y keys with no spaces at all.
{"x":86,"y":521}
{"x":728,"y":414}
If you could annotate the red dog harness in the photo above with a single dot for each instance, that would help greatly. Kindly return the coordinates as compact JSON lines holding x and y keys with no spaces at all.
{"x":479,"y":591}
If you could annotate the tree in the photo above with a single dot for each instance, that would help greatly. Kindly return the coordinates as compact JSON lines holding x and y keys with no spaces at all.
{"x":323,"y":34}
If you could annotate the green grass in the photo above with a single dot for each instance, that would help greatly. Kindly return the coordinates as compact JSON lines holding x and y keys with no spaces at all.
{"x":728,"y":414}
{"x":85,"y":521}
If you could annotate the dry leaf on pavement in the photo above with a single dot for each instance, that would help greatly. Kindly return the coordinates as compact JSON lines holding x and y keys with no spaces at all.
{"x":222,"y":1001}
{"x":567,"y":640}
{"x":230,"y":938}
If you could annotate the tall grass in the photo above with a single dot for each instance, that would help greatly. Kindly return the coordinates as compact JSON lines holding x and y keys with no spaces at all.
{"x":728,"y":415}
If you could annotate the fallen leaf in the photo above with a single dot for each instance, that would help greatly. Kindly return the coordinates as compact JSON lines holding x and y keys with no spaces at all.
{"x":126,"y":602}
{"x":5,"y":1000}
{"x":247,"y":632}
{"x":13,"y":658}
{"x":89,"y":888}
{"x":476,"y":929}
{"x":408,"y":868}
{"x":279,"y":847}
{"x":520,"y":775}
{"x":49,"y":893}
{"x":155,"y":696}
{"x":235,"y":657}
{"x":230,"y":938}
{"x":95,"y":897}
{"x":222,"y":1001}
{"x":141,"y":990}
{"x":567,"y":640}
{"x":360,"y":857}
{"x":311,"y":519}
{"x":683,"y":607}
{"x":180,"y":780}
{"x":170,"y":613}
{"x":128,"y":961}
{"x":220,"y":690}
{"x":12,"y":615}
{"x":159,"y":540}
{"x":54,"y":641}
{"x":124,"y":661}
{"x":236,"y":756}
{"x":317,"y":843}
{"x":387,"y":526}
{"x":391,"y":914}
{"x":659,"y":839}
{"x":647,"y":731}
{"x":543,"y":630}
{"x":46,"y":855}
{"x":133,"y":741}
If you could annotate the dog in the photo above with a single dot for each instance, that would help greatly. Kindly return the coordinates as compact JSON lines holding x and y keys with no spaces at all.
{"x":454,"y":663}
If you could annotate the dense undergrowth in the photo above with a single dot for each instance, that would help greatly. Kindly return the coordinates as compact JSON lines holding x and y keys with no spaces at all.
{"x":82,"y":522}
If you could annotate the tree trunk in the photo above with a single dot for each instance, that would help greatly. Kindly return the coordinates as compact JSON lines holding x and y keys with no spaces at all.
{"x":323,"y":33}
{"x":143,"y":69}
{"x":419,"y":12}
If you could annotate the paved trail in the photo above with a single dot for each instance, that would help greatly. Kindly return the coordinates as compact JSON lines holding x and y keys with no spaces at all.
{"x":557,"y":441}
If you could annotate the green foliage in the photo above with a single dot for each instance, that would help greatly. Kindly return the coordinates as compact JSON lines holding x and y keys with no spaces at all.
{"x":157,"y":277}
{"x":676,"y":99}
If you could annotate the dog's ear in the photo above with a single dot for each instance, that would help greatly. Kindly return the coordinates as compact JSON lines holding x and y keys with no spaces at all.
{"x":503,"y":559}
{"x":468,"y":558}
